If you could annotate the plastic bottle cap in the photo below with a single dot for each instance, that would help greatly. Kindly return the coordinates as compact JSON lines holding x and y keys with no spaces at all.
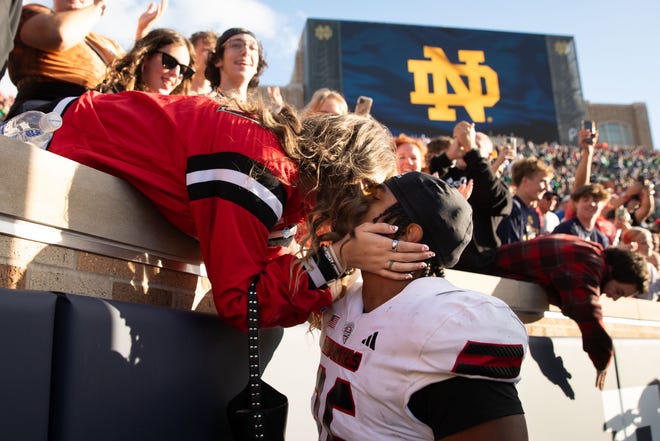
{"x":50,"y":122}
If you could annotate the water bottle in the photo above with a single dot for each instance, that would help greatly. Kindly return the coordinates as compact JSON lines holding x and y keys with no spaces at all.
{"x":32,"y":126}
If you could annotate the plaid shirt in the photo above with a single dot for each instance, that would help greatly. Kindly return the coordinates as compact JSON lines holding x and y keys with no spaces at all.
{"x":573,"y":270}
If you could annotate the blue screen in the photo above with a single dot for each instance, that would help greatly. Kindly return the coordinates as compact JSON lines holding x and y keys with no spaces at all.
{"x":424,"y":80}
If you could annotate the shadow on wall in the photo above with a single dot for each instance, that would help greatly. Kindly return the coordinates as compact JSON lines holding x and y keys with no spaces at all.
{"x":639,"y":418}
{"x":126,"y":371}
{"x":551,"y":365}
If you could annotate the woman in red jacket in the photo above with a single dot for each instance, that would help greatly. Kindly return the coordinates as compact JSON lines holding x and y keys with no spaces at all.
{"x":233,"y":178}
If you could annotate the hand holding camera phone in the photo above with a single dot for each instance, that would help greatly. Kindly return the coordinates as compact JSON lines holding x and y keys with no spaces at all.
{"x":591,"y":126}
{"x":363,"y":105}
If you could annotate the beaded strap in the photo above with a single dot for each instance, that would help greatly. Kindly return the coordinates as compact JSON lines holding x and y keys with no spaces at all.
{"x":253,"y":360}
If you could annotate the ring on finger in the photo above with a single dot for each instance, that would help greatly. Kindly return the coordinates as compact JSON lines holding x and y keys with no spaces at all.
{"x":395,"y":245}
{"x":389,"y":265}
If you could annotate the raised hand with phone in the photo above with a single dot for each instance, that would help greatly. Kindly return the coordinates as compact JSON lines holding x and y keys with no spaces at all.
{"x":363,"y":105}
{"x":588,"y":134}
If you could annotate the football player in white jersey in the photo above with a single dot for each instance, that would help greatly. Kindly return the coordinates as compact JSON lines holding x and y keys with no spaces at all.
{"x":420,"y":359}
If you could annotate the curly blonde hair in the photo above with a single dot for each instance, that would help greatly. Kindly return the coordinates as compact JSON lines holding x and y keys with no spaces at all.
{"x":125,"y":73}
{"x":339,"y":157}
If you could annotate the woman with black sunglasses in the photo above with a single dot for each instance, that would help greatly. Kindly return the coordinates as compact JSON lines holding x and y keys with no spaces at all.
{"x":160,"y":62}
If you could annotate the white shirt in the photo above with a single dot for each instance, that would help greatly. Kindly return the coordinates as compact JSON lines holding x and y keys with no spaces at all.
{"x":371,"y":363}
{"x":549,"y":221}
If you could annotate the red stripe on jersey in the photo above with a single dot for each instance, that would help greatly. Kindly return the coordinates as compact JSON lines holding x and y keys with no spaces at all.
{"x":489,"y":360}
{"x":343,"y":356}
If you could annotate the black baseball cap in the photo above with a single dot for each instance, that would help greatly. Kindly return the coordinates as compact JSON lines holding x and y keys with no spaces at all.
{"x":230,"y":33}
{"x":441,"y":211}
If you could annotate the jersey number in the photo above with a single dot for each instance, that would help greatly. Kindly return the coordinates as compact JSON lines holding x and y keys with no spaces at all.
{"x":340,"y":397}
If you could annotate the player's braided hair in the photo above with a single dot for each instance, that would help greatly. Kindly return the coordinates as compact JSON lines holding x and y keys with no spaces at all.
{"x":395,"y":215}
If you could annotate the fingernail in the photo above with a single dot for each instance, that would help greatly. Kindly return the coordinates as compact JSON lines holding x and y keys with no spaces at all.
{"x":431,"y":254}
{"x":395,"y":227}
{"x":409,"y":276}
{"x":425,"y":247}
{"x":422,"y":265}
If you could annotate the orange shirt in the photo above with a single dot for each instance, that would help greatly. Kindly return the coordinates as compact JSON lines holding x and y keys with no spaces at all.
{"x":84,"y":64}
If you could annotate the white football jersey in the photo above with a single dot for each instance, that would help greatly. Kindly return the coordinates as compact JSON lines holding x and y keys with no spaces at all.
{"x":371,"y":363}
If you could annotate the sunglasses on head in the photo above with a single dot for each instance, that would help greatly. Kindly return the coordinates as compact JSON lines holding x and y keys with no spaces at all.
{"x":169,"y":62}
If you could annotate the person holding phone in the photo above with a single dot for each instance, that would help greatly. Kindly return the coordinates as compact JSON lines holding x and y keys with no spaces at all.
{"x":590,"y":127}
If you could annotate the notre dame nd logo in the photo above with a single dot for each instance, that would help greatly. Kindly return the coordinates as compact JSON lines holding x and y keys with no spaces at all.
{"x":475,"y":95}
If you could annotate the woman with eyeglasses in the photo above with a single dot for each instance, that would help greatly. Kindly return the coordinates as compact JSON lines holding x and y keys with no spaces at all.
{"x":160,"y":62}
{"x":235,"y":66}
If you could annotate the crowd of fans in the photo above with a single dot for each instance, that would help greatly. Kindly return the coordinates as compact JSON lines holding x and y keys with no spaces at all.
{"x":616,"y":166}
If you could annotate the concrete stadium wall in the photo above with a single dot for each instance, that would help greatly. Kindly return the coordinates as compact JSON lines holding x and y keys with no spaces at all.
{"x":67,"y":227}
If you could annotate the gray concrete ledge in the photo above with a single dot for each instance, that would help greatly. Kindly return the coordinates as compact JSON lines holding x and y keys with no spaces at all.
{"x":76,"y":206}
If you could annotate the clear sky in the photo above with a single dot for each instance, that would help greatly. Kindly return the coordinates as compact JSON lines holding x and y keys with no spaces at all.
{"x":617,"y":41}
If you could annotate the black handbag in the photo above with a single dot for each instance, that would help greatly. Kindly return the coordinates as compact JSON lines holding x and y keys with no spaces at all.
{"x":259,"y":411}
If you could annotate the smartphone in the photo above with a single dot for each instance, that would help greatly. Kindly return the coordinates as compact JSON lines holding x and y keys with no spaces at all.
{"x":363,"y":105}
{"x":591,"y":126}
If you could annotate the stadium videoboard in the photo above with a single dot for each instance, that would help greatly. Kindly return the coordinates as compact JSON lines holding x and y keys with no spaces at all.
{"x":423,"y":80}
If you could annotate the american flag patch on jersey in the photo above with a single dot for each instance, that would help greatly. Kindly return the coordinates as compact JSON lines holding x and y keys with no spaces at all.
{"x":333,"y":321}
{"x":489,"y":360}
